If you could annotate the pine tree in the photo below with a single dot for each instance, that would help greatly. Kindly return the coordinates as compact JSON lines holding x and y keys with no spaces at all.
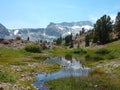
{"x":117,"y":25}
{"x":59,"y":41}
{"x":87,"y":40}
{"x":71,"y":44}
{"x":28,"y":39}
{"x":83,"y":30}
{"x":68,"y":39}
{"x":102,"y":28}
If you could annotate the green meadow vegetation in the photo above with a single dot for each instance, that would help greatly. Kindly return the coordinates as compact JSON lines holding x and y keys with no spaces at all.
{"x":33,"y":48}
{"x":7,"y":77}
{"x":104,"y":76}
{"x":97,"y":80}
{"x":16,"y":66}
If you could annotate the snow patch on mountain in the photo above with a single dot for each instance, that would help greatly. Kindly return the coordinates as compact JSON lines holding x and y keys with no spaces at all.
{"x":16,"y":32}
{"x":76,"y":27}
{"x":88,"y":27}
{"x":61,"y":28}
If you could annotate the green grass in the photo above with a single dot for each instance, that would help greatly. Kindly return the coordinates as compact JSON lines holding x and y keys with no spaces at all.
{"x":21,"y":58}
{"x":103,"y":51}
{"x":7,"y":77}
{"x":97,"y":80}
{"x":107,"y":53}
{"x":58,"y":52}
{"x":17,"y":62}
{"x":116,"y":71}
{"x":115,"y":49}
{"x":83,"y":83}
{"x":11,"y":56}
{"x":79,"y":51}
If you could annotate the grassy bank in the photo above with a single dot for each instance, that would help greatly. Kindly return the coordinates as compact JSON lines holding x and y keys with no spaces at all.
{"x":96,"y":82}
{"x":106,"y":62}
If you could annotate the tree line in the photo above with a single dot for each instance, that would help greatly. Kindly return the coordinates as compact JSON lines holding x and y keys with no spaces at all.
{"x":105,"y":30}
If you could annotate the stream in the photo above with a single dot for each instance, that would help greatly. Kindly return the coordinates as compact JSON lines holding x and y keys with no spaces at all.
{"x":69,"y":68}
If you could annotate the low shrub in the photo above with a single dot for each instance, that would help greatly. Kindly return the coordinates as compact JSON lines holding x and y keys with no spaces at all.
{"x":94,"y":57}
{"x":80,"y":51}
{"x":18,"y":38}
{"x":111,"y":56}
{"x":97,"y":57}
{"x":103,"y":51}
{"x":33,"y":48}
{"x":97,"y":71}
{"x":68,"y":57}
{"x":7,"y":77}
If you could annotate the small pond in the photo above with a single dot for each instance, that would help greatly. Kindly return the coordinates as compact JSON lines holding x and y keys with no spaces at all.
{"x":70,"y":67}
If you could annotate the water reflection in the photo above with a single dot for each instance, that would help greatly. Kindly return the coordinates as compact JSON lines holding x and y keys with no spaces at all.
{"x":70,"y":68}
{"x":68,"y":57}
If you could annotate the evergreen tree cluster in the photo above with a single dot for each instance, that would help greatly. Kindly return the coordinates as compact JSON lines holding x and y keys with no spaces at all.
{"x":59,"y":40}
{"x":117,"y":25}
{"x":68,"y":39}
{"x":102,"y":30}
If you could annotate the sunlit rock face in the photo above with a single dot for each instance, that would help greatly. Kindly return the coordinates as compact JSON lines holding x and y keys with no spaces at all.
{"x":65,"y":28}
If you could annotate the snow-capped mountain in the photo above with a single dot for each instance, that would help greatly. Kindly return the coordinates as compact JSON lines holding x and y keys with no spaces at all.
{"x":33,"y":34}
{"x":52,"y":31}
{"x":57,"y":29}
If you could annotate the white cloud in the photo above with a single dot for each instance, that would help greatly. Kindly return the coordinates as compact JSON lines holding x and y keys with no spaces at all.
{"x":94,"y":19}
{"x":99,"y":13}
{"x":113,"y":17}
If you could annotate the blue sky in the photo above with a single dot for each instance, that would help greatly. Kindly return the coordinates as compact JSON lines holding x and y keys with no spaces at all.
{"x":39,"y":13}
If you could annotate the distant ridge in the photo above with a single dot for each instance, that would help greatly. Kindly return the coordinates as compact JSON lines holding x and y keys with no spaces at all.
{"x":51,"y":32}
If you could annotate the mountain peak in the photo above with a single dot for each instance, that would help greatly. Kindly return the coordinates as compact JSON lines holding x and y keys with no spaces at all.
{"x":64,"y":28}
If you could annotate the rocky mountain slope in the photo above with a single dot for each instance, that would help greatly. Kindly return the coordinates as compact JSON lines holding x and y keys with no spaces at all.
{"x":57,"y":29}
{"x":3,"y":31}
{"x":51,"y":32}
